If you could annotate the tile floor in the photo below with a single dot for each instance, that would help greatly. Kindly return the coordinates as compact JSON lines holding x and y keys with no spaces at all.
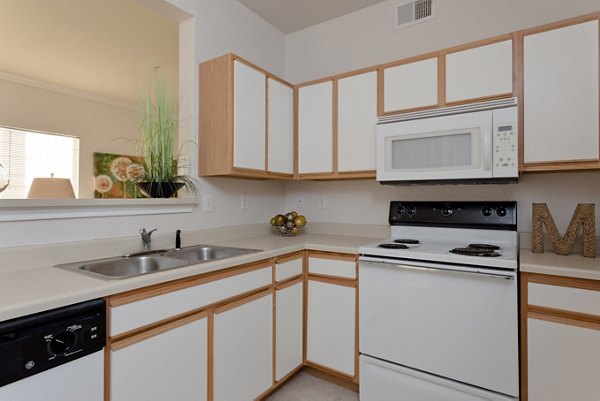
{"x":304,"y":387}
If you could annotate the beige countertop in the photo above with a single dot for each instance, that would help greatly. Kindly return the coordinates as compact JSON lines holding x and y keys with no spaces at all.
{"x":30,"y":289}
{"x":573,"y":265}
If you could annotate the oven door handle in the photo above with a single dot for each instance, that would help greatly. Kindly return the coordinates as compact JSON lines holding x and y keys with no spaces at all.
{"x":508,"y":275}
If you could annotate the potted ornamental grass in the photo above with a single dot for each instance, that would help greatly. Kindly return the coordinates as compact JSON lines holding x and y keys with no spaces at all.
{"x":157,"y":144}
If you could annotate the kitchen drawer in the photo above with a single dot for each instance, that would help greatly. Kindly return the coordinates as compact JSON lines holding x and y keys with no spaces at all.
{"x":132,"y":315}
{"x":342,"y":267}
{"x":565,"y":298}
{"x":288,"y":268}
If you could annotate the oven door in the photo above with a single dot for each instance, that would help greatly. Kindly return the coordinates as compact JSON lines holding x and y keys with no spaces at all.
{"x":456,"y":322}
{"x":450,"y":147}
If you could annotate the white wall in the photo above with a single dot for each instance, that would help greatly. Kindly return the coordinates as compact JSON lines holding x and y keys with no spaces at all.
{"x":100,"y":126}
{"x":365,"y":38}
{"x":210,"y":28}
{"x":367,"y":202}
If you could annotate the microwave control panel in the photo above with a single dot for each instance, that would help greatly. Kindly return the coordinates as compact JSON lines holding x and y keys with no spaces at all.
{"x":506,"y":155}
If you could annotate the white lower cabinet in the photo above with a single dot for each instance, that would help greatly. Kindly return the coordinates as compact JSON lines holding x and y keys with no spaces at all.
{"x":243,"y":349}
{"x":288,"y":329}
{"x":167,"y":364}
{"x":331,"y":326}
{"x":563,"y":362}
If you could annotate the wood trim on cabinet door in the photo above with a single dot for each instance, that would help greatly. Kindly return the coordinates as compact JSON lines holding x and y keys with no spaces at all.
{"x":562,"y":281}
{"x":296,"y":139}
{"x":441,"y":80}
{"x":107,"y":354}
{"x":519,"y":93}
{"x":333,"y":280}
{"x":332,"y":255}
{"x":564,"y":317}
{"x":267,"y":125}
{"x":305,"y":307}
{"x":334,"y":127}
{"x":356,"y":331}
{"x":118,"y":345}
{"x":243,"y":301}
{"x":523,"y":336}
{"x":290,"y":257}
{"x":380,"y":92}
{"x":210,"y":374}
{"x":282,"y":285}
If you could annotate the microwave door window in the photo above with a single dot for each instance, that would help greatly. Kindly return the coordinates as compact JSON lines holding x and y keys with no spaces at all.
{"x":433,"y":152}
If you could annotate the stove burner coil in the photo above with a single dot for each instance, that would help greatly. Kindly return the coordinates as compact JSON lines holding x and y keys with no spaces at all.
{"x":475,"y":252}
{"x":407,"y":241}
{"x":393,"y":246}
{"x":485,"y":246}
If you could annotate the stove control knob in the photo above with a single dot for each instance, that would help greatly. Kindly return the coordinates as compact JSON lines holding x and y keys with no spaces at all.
{"x":447,"y":211}
{"x":501,"y":211}
{"x":62,"y":342}
{"x":400,"y":210}
{"x":487,"y":211}
{"x":411,"y":210}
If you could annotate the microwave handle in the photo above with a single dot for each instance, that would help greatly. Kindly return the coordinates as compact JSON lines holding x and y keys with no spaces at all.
{"x":487,"y":149}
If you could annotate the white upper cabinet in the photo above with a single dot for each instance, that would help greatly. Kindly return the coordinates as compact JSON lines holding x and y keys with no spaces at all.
{"x":280,"y":132}
{"x":410,"y":86}
{"x":249,"y":108}
{"x":357,"y":119}
{"x":315,"y":128}
{"x":480,"y":72}
{"x":561,"y":94}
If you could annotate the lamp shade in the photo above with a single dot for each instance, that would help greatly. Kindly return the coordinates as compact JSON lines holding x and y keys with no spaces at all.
{"x":50,"y":188}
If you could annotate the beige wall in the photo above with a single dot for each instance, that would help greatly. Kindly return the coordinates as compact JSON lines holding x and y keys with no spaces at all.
{"x":101,"y":127}
{"x":366,"y":38}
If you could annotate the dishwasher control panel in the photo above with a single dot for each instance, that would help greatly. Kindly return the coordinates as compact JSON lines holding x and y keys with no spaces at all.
{"x":39,"y":342}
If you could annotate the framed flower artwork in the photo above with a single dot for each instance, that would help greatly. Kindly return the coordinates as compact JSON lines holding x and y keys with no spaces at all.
{"x":114,"y":176}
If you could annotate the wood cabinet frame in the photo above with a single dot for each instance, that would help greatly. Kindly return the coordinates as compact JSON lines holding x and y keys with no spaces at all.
{"x":520,"y":94}
{"x":550,"y":314}
{"x":216,"y":116}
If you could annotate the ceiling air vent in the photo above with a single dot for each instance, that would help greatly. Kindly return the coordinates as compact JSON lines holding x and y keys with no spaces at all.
{"x":414,"y":12}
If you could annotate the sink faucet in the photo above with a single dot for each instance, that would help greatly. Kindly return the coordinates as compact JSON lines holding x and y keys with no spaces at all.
{"x":146,"y":238}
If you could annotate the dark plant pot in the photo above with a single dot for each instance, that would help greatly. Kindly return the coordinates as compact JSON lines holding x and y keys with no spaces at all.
{"x":160,"y":189}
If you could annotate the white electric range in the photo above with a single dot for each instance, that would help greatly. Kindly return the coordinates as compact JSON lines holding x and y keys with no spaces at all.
{"x":438,"y":304}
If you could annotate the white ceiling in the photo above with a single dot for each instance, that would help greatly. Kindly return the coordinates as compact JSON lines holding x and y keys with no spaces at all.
{"x":293,"y":15}
{"x":102,"y":47}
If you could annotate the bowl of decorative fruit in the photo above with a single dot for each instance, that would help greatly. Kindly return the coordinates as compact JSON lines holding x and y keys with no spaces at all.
{"x":289,"y":224}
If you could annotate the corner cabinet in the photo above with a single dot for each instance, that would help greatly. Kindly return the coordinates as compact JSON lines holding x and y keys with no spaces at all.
{"x":560,"y":331}
{"x":560,"y":96}
{"x":245,"y":126}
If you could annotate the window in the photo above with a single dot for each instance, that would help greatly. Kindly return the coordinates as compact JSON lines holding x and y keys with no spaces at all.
{"x":27,"y":154}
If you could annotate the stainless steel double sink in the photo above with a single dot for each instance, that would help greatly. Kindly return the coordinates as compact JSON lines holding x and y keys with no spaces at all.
{"x":154,"y":261}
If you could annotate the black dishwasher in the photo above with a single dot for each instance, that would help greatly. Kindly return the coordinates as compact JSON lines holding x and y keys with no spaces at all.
{"x":44,"y":341}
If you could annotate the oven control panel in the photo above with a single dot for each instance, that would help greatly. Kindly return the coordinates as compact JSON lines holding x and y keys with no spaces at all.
{"x":494,"y":215}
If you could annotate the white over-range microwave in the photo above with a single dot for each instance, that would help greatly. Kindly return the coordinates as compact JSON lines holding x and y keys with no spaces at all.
{"x":475,"y":143}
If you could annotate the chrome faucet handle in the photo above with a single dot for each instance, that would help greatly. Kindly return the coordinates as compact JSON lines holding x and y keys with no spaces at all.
{"x":146,"y":238}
